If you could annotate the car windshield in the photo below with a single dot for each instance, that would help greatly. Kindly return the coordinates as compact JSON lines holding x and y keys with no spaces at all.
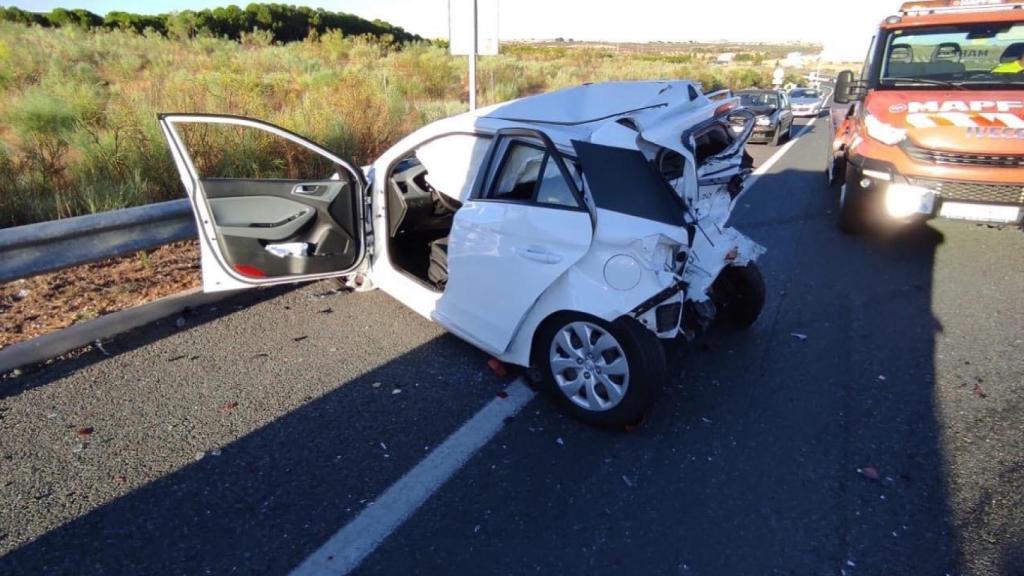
{"x":804,"y":93}
{"x":955,"y":56}
{"x":759,"y":99}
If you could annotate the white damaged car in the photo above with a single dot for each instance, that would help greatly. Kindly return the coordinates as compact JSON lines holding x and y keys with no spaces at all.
{"x":568,"y":231}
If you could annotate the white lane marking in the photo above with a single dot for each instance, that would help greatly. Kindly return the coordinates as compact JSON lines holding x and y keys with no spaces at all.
{"x":343,"y":552}
{"x":753,"y":178}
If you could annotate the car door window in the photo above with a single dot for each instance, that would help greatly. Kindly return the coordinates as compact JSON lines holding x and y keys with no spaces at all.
{"x":530,"y":174}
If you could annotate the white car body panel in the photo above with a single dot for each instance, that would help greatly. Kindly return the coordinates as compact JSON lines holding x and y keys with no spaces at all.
{"x":513,"y":265}
{"x":502,"y":256}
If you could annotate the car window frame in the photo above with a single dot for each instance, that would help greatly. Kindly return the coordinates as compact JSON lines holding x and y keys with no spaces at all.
{"x":502,"y":145}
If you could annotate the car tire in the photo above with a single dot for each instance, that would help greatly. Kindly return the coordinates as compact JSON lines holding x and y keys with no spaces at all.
{"x":853,"y":213}
{"x":739,"y":294}
{"x":777,"y":136}
{"x":838,"y":169}
{"x":575,"y":378}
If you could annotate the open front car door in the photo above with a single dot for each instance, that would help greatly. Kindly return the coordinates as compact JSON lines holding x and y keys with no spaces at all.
{"x":270,"y":206}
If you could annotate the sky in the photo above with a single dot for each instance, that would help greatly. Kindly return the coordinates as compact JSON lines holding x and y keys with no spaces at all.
{"x":845,"y":33}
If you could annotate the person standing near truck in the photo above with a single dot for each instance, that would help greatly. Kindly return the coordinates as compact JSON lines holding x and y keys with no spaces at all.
{"x":1014,"y":66}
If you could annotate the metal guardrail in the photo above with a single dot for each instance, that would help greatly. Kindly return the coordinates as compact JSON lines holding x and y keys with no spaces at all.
{"x":48,"y":246}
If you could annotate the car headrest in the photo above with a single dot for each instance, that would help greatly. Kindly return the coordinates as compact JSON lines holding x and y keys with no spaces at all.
{"x":947,"y":52}
{"x":1012,"y":52}
{"x":901,"y":53}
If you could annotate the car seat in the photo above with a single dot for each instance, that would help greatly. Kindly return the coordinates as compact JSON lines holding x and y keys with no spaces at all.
{"x":901,"y":62}
{"x":945,"y":60}
{"x":437,"y":270}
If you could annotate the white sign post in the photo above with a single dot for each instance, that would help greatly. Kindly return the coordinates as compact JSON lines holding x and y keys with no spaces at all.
{"x":778,"y":77}
{"x":473,"y":31}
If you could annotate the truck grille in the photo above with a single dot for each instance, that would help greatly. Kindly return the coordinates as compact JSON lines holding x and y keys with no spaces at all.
{"x":976,"y":192}
{"x":962,"y":159}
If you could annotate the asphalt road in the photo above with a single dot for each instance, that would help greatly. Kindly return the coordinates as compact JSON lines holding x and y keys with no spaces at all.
{"x":869,"y":423}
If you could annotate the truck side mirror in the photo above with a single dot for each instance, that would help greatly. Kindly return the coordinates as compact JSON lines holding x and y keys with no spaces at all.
{"x":847,"y":89}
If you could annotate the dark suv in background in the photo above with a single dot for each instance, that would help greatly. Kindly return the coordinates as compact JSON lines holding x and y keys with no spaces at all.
{"x":774,"y":114}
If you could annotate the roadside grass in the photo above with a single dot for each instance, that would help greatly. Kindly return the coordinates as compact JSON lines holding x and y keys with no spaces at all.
{"x":78,"y":130}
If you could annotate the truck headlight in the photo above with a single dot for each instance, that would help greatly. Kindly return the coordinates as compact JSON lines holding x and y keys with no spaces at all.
{"x":883,"y":132}
{"x":902,"y":200}
{"x":763,"y":120}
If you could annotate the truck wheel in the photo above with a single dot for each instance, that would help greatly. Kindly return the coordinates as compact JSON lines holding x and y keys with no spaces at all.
{"x":603,"y":373}
{"x":836,"y":170}
{"x":739,"y":293}
{"x":853,"y":213}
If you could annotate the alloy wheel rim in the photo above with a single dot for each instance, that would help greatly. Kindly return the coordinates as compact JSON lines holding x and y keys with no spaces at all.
{"x":589,"y":366}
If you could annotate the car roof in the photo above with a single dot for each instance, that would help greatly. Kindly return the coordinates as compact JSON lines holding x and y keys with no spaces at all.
{"x":591,"y":103}
{"x":576,"y":113}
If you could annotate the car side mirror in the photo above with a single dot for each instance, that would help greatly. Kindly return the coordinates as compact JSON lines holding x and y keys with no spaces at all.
{"x":847,"y":89}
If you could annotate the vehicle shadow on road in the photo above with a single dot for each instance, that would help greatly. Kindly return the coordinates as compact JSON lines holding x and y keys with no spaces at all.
{"x":43,"y":374}
{"x":264,"y":502}
{"x":822,"y":428}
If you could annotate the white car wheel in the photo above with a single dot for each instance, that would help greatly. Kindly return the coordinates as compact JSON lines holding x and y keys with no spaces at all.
{"x":589,"y":366}
{"x":605,"y":373}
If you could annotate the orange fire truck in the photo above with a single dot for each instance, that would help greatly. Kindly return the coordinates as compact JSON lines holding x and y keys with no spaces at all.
{"x":935,"y":124}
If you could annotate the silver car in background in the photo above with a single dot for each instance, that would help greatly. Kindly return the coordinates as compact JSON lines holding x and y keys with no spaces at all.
{"x":807,"y":102}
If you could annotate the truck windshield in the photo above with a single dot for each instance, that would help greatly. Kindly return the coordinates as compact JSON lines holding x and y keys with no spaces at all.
{"x":990,"y":55}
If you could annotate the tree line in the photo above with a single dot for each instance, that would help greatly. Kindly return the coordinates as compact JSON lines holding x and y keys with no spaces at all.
{"x":284,"y":22}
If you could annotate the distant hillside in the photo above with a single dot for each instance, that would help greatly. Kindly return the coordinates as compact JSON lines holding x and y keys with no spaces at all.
{"x":692,"y":51}
{"x":284,"y":23}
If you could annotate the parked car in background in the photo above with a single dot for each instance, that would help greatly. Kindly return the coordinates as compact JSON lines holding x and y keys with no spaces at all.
{"x":569,"y":231}
{"x":807,"y":102}
{"x":774,"y":114}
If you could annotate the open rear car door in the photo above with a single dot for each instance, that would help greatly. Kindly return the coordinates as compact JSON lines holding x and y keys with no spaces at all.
{"x":271,"y":207}
{"x":525,"y":224}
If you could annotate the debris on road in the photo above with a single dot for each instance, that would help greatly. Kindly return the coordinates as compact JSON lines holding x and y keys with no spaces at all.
{"x":376,"y":385}
{"x":559,"y":441}
{"x":228,"y":407}
{"x":627,"y":481}
{"x":299,"y":338}
{"x":327,"y":310}
{"x":869,"y":472}
{"x":85,"y":431}
{"x":979,"y":391}
{"x":180,"y":322}
{"x":881,"y":377}
{"x":176,"y":358}
{"x":498,"y":367}
{"x":99,"y":346}
{"x":798,"y":336}
{"x":502,"y":394}
{"x":396,"y":391}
